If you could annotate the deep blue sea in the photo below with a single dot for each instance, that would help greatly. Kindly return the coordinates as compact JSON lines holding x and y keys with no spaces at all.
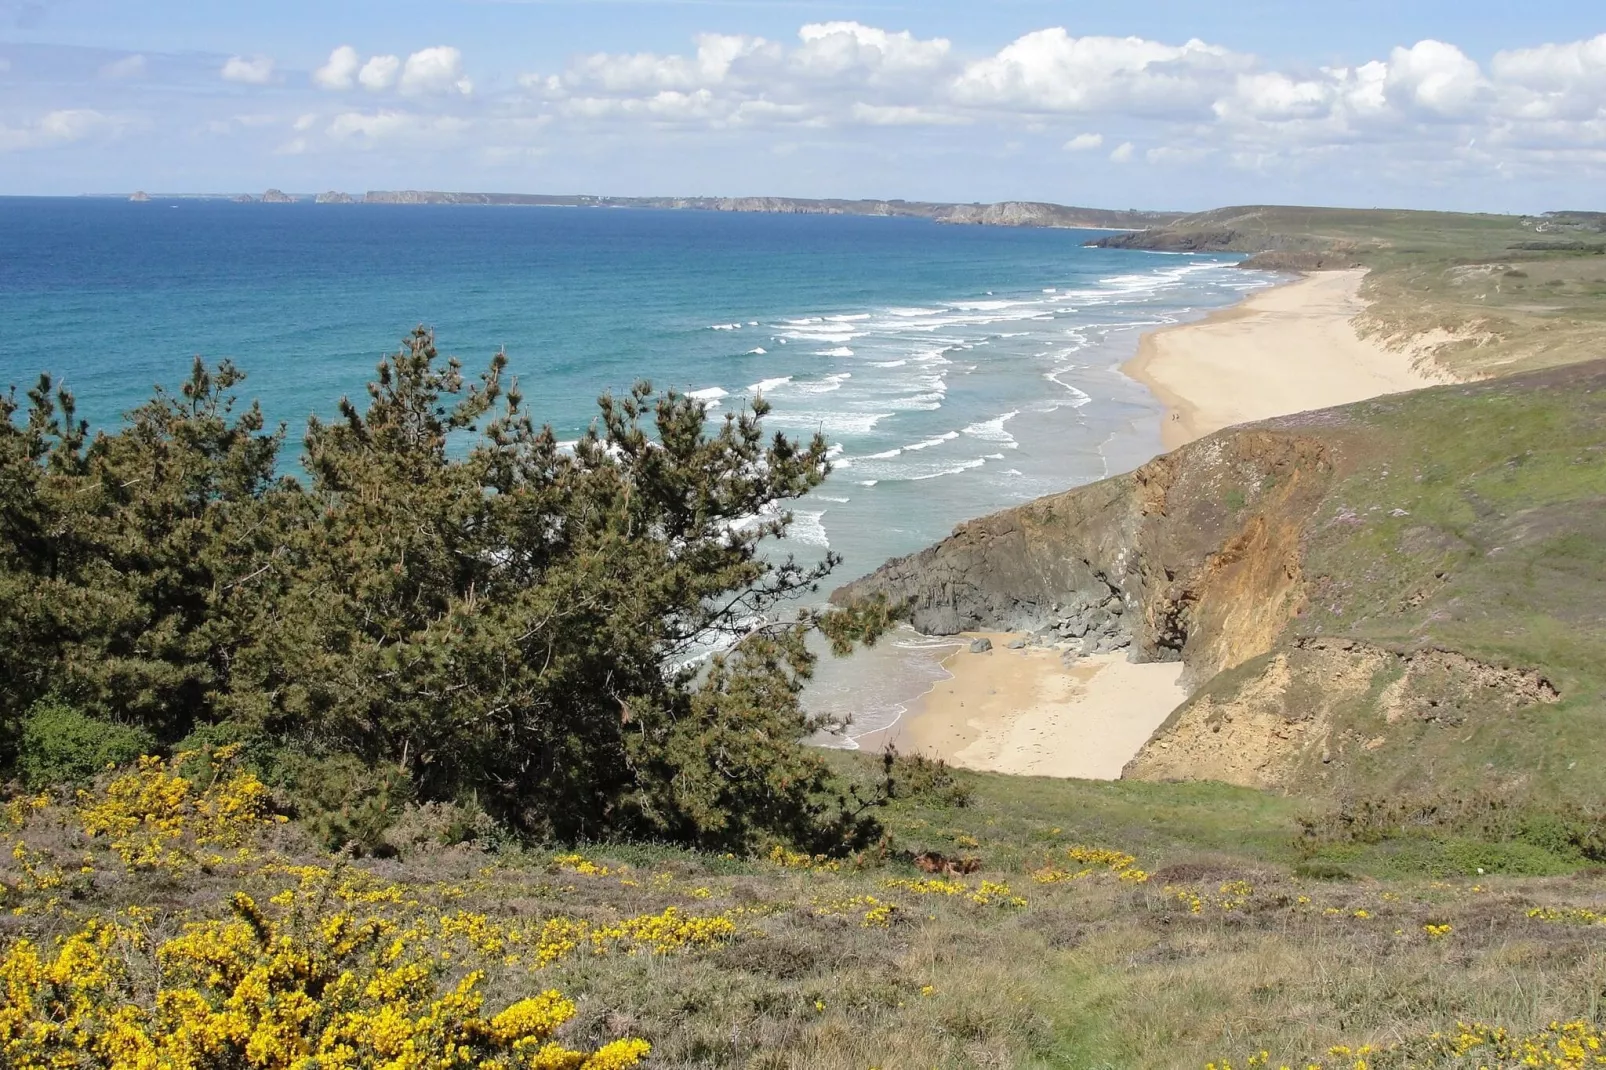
{"x":954,"y":370}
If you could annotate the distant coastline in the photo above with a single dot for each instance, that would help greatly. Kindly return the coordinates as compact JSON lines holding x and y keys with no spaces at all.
{"x":1001,"y":214}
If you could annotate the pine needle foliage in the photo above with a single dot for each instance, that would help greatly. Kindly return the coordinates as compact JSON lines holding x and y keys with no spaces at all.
{"x":448,"y":594}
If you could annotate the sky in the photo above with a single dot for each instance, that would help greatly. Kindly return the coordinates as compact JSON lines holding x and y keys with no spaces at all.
{"x":1158,"y":104}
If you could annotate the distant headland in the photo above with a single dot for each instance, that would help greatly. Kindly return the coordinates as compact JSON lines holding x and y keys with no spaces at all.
{"x":1001,"y":214}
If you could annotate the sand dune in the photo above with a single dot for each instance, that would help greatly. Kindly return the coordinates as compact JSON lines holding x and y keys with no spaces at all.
{"x":1284,"y":350}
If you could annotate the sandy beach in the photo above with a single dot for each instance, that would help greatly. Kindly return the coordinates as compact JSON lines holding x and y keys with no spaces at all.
{"x":1024,"y":712}
{"x":1284,"y":350}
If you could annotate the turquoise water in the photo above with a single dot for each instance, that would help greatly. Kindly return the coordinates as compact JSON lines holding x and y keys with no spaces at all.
{"x":954,"y":370}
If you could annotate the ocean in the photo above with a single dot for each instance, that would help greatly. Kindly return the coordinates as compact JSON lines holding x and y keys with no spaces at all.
{"x":954,"y":370}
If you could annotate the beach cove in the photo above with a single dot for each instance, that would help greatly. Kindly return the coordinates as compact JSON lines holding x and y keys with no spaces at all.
{"x":1027,"y":710}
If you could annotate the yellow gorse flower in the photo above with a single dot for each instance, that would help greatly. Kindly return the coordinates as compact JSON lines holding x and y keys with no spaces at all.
{"x":1090,"y":861}
{"x":154,"y":818}
{"x":274,"y":991}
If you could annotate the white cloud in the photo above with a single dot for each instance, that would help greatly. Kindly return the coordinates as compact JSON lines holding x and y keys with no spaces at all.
{"x":1276,"y":97}
{"x":642,"y":71}
{"x":832,"y":49}
{"x":1566,"y":81}
{"x":1553,"y":67}
{"x":1434,"y":79}
{"x":904,"y":115}
{"x":255,"y":70}
{"x":341,"y":70}
{"x":127,"y":67}
{"x":380,"y":72}
{"x":435,"y":70}
{"x":1049,"y":70}
{"x":1172,"y":154}
{"x":391,"y":126}
{"x":1129,"y":99}
{"x":60,"y":127}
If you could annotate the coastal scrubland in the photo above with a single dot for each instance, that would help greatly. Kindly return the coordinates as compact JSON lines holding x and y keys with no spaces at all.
{"x":166,"y":915}
{"x":410,"y":760}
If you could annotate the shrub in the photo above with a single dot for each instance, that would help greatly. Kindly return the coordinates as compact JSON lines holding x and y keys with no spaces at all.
{"x":927,"y":780}
{"x":60,"y":745}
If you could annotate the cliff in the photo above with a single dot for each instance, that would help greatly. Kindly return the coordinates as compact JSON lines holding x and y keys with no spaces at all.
{"x":1406,"y":592}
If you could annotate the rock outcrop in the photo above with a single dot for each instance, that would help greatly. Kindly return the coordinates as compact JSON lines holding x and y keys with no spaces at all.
{"x":140,"y":197}
{"x":1038,"y":214}
{"x":1167,"y":560}
{"x":274,"y":196}
{"x":333,"y":197}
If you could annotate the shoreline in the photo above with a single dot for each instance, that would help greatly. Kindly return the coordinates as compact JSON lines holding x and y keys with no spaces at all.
{"x":1290,"y":348}
{"x":1287,"y":349}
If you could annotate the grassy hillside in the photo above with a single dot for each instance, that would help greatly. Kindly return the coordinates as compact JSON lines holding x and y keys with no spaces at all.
{"x":1107,"y":925}
{"x":1395,"y":609}
{"x":1450,"y":626}
{"x":1480,"y":294}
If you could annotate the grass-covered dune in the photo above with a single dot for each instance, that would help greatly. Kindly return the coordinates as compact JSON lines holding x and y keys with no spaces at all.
{"x":1478,"y":295}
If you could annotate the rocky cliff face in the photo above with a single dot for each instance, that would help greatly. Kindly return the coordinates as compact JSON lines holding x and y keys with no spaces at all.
{"x":1403,"y":593}
{"x":1166,"y":560}
{"x":1037,"y":214}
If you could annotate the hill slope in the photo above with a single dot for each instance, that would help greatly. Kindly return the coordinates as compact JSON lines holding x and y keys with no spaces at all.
{"x":1403,"y":595}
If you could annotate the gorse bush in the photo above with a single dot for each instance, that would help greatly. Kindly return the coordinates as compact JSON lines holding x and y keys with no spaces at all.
{"x":270,"y":994}
{"x":449,"y":595}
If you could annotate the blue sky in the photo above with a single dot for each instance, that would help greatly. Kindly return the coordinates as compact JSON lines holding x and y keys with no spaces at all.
{"x":1145,"y":103}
